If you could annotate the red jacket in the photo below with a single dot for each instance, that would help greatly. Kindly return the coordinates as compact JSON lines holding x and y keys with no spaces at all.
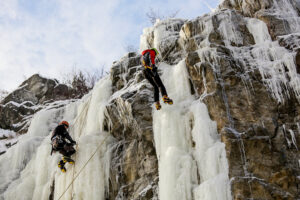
{"x":152,"y":55}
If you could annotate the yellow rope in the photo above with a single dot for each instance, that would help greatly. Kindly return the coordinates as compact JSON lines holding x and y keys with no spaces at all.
{"x":74,"y":169}
{"x":77,"y":143}
{"x":83,"y":167}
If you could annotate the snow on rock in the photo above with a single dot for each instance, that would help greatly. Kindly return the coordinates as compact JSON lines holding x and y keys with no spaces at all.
{"x":6,"y":133}
{"x":3,"y":94}
{"x":7,"y":139}
{"x":250,"y":45}
{"x":18,"y":107}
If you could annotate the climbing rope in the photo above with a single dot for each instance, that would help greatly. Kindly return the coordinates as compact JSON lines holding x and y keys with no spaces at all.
{"x":171,"y":48}
{"x":83,"y":167}
{"x":74,"y":169}
{"x":82,"y":111}
{"x":76,"y":148}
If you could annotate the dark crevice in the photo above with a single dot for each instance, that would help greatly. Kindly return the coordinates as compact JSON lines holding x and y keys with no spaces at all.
{"x":52,"y":188}
{"x":193,"y":91}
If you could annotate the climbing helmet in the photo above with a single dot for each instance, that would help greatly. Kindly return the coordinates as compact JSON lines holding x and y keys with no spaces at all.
{"x":64,"y":123}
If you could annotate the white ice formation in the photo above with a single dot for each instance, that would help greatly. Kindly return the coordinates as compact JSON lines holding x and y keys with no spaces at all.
{"x":191,"y":157}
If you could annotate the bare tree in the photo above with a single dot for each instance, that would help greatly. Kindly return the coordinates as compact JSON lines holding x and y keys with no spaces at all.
{"x":82,"y":81}
{"x":130,"y":48}
{"x":92,"y":77}
{"x":153,"y":15}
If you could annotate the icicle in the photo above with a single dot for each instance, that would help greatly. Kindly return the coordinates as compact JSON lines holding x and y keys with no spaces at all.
{"x":204,"y":94}
{"x":285,"y":10}
{"x":293,"y":138}
{"x":285,"y":136}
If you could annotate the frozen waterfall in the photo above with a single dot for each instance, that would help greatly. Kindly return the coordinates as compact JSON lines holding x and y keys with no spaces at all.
{"x":27,"y":171}
{"x":192,"y":160}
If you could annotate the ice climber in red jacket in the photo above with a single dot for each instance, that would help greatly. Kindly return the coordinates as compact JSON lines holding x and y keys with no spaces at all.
{"x":150,"y":72}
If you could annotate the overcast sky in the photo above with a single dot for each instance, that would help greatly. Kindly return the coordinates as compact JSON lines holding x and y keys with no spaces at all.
{"x":50,"y":37}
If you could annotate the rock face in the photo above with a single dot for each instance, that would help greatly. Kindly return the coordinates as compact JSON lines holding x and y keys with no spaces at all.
{"x":245,"y":70}
{"x":134,"y":171}
{"x":259,"y":128}
{"x":276,"y":14}
{"x":17,"y":107}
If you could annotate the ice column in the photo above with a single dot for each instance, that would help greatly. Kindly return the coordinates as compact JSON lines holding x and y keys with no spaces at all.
{"x":192,"y":160}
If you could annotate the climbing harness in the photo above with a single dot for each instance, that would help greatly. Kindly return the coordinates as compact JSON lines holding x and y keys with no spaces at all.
{"x":148,"y":67}
{"x":144,"y":64}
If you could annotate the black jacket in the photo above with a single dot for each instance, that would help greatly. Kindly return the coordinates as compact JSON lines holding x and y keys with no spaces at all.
{"x":62,"y":131}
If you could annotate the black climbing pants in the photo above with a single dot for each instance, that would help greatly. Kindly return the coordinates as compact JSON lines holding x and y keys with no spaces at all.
{"x":67,"y":150}
{"x":156,"y":82}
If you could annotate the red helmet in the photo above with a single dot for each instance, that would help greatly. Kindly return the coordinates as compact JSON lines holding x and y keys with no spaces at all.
{"x":64,"y":123}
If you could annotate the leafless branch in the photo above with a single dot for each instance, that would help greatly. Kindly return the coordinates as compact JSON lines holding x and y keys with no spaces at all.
{"x":82,"y":81}
{"x":153,"y":15}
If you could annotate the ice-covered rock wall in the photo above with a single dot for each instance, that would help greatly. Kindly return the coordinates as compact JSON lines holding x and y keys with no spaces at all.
{"x":246,"y":71}
{"x":243,"y":63}
{"x":29,"y":172}
{"x":232,"y":132}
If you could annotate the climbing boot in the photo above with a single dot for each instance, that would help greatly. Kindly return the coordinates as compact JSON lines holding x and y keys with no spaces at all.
{"x":167,"y":100}
{"x":157,"y":106}
{"x":61,"y":166}
{"x":64,"y":170}
{"x":68,"y":159}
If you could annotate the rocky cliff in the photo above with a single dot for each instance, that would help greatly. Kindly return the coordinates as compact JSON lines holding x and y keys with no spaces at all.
{"x":129,"y":119}
{"x":232,"y":133}
{"x":17,"y":108}
{"x":243,"y":64}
